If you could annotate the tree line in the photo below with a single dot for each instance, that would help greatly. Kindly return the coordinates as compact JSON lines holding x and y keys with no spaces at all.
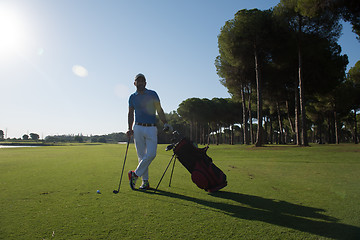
{"x":106,"y":138}
{"x":79,"y":138}
{"x":220,"y":121}
{"x":31,"y":136}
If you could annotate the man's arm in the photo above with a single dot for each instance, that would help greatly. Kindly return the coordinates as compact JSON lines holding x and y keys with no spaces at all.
{"x":160,"y":112}
{"x":130,"y":121}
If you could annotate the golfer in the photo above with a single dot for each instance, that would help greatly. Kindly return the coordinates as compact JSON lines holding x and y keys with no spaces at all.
{"x":144,"y":103}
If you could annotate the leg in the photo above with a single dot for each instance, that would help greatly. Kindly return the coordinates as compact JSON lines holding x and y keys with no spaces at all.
{"x":150,"y":134}
{"x":140,"y":143}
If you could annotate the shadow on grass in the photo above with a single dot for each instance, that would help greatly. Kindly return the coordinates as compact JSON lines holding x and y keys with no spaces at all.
{"x":281,"y":213}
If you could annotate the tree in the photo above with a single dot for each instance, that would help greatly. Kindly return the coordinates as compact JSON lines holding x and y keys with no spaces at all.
{"x":354,"y":83}
{"x":187,"y":110}
{"x":25,"y":137}
{"x":243,"y":40}
{"x":207,"y":116}
{"x":237,"y":80}
{"x":324,"y":25}
{"x":354,"y":74}
{"x":1,"y":135}
{"x":348,"y":10}
{"x":233,"y":116}
{"x":34,"y":136}
{"x":78,"y":139}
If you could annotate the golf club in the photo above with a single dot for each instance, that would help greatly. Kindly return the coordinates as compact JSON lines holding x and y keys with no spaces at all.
{"x":122,"y":171}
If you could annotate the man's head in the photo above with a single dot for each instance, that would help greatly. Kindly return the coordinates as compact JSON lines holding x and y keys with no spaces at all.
{"x":140,"y":82}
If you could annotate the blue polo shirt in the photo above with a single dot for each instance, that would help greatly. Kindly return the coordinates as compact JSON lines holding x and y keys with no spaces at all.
{"x":144,"y":105}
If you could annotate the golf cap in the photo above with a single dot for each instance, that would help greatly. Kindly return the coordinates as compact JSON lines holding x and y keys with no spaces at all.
{"x":140,"y":75}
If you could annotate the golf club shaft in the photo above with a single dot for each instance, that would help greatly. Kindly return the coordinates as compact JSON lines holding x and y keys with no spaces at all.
{"x":122,"y":171}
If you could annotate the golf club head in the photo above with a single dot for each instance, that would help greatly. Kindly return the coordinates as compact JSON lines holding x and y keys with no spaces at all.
{"x":115,"y":191}
{"x":169,"y":147}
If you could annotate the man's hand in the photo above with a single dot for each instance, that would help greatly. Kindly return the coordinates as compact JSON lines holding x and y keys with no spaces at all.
{"x":129,"y":133}
{"x":167,"y":128}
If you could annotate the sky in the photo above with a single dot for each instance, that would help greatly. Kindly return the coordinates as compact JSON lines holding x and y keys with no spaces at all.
{"x":68,"y":67}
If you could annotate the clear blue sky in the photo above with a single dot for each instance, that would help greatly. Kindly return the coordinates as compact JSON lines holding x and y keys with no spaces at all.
{"x":67,"y":67}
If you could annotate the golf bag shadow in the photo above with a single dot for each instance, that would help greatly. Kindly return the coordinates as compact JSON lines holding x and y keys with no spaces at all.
{"x":204,"y":173}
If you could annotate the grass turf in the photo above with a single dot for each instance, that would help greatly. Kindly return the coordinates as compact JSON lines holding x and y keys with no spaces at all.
{"x":274,"y":192}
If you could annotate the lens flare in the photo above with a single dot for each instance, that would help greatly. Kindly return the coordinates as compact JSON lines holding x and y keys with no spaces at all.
{"x":80,"y":71}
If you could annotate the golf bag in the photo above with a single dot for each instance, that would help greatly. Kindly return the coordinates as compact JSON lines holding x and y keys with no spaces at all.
{"x":203,"y":171}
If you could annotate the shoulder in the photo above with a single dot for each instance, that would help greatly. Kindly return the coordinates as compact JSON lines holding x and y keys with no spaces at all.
{"x":151,"y":92}
{"x":132,"y":97}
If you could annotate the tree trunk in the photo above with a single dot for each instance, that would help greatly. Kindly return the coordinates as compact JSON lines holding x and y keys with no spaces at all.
{"x":271,"y":132}
{"x":245,"y":125}
{"x":266,"y":137}
{"x":259,"y":133}
{"x":329,"y":135}
{"x":337,"y":141}
{"x":304,"y":140}
{"x":290,"y":121}
{"x":281,"y":128}
{"x":320,"y":133}
{"x":232,"y":135}
{"x":356,"y":141}
{"x":250,"y":118}
{"x":297,"y":122}
{"x":241,"y":136}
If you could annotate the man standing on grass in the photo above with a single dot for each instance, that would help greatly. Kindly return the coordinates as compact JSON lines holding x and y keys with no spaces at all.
{"x":144,"y":103}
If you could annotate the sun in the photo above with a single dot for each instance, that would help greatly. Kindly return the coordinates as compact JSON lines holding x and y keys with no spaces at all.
{"x":12,"y":31}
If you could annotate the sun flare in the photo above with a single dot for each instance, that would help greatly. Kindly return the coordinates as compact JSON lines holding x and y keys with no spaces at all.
{"x":12,"y":31}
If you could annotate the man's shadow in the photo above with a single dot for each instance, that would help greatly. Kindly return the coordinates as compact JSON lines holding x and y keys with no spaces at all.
{"x":280,"y":213}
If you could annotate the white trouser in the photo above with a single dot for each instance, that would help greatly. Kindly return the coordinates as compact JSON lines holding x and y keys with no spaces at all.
{"x":145,"y":139}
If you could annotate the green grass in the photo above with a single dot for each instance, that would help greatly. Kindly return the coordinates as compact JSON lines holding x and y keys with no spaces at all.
{"x":274,"y":192}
